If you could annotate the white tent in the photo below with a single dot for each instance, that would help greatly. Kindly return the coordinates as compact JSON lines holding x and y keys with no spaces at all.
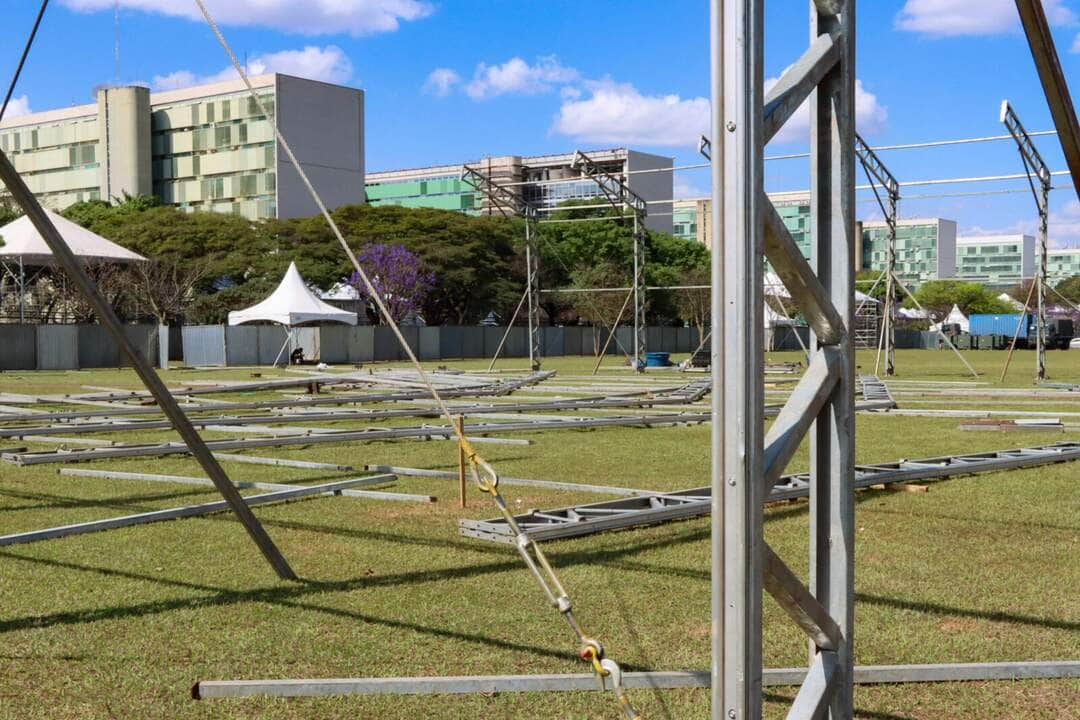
{"x":23,"y":243}
{"x":954,"y":317}
{"x":1007,"y":298}
{"x":291,"y":304}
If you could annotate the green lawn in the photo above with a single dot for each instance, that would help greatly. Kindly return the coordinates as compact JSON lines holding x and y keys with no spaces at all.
{"x":120,"y":624}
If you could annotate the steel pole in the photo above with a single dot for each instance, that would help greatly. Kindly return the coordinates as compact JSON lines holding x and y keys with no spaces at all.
{"x":716,"y":431}
{"x":532,"y":276}
{"x":1040,"y":284}
{"x":66,"y":259}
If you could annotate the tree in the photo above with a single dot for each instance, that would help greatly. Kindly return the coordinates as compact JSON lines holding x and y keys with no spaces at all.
{"x":938,"y":297}
{"x":397,"y":276}
{"x":1070,"y":288}
{"x":165,"y":286}
{"x":695,"y":306}
{"x":111,"y":281}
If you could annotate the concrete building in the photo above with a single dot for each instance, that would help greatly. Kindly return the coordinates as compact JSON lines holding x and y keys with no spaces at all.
{"x":925,"y":248}
{"x":995,"y":260}
{"x":546,"y":181}
{"x":1062,"y":264}
{"x":199,"y":148}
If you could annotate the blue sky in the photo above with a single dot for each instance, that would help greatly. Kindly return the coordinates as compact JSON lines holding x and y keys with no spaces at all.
{"x":453,"y":80}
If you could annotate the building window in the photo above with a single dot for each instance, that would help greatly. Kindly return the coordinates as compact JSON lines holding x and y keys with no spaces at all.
{"x":209,"y":112}
{"x":222,"y":137}
{"x":226,"y":109}
{"x":241,"y":131}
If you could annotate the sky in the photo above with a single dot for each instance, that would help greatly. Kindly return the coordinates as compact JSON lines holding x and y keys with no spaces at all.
{"x":449,"y":81}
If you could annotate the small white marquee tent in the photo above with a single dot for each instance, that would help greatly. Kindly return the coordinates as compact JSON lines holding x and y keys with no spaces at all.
{"x":954,"y":317}
{"x":291,"y":304}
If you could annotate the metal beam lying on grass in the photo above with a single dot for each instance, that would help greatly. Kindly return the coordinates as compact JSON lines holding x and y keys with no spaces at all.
{"x":660,"y":680}
{"x":547,"y":484}
{"x":193,"y":443}
{"x":292,"y":493}
{"x":581,"y":520}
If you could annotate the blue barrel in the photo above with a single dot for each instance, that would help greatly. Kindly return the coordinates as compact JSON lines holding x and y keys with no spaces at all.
{"x":657,"y":359}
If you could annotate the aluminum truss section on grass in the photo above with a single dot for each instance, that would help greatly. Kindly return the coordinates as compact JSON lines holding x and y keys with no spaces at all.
{"x":1036,"y":169}
{"x":746,"y":463}
{"x":193,"y":443}
{"x":873,"y":390}
{"x":292,"y":492}
{"x":662,"y":680}
{"x":658,"y":508}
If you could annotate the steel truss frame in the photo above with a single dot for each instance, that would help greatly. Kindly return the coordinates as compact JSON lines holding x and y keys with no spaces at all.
{"x":1036,"y":169}
{"x":747,"y":465}
{"x":622,"y":198}
{"x":880,"y":176}
{"x":510,"y":202}
{"x":654,"y":508}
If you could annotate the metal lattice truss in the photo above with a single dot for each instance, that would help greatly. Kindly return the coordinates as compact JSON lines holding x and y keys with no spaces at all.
{"x":655,"y":508}
{"x":747,"y":466}
{"x":617,"y":192}
{"x":510,"y":202}
{"x":1036,"y":169}
{"x":880,"y":176}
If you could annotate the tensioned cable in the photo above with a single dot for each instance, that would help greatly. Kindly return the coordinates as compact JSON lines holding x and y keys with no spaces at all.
{"x":483,"y":473}
{"x":22,"y":58}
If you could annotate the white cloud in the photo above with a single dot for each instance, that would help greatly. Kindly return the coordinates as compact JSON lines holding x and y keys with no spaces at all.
{"x":1076,"y":45}
{"x":441,"y":81}
{"x":618,"y":113}
{"x":312,"y":17}
{"x":684,"y":189}
{"x":870,"y":116}
{"x":942,"y":18}
{"x":1064,"y":225}
{"x":18,"y":106}
{"x":517,"y":76}
{"x":328,"y":64}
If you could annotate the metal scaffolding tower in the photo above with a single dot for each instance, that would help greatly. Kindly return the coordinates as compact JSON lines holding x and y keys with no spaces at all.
{"x":1036,"y":169}
{"x":747,"y":465}
{"x":511,"y":203}
{"x":880,"y":176}
{"x":617,"y":192}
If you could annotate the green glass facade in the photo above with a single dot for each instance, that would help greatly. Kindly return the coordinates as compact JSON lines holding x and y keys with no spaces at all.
{"x":919,"y":248}
{"x":444,"y":193}
{"x":999,"y":261}
{"x":685,"y":222}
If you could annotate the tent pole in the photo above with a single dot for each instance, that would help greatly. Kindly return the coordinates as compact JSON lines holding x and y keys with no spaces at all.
{"x":288,"y":339}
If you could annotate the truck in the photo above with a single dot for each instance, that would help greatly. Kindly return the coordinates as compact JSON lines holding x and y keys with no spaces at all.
{"x":1059,"y":331}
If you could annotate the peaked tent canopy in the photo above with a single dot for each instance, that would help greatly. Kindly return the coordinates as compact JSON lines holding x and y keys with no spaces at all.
{"x":22,"y":242}
{"x":955,"y":317}
{"x":292,"y":303}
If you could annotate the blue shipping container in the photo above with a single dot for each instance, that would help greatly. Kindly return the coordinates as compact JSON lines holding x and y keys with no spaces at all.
{"x":999,"y":324}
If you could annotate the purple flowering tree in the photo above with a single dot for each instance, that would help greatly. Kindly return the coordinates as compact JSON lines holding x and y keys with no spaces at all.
{"x":398,"y":277}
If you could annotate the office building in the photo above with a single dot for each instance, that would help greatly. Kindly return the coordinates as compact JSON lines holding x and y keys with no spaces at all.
{"x":206,"y":147}
{"x":1062,"y":264}
{"x":925,"y":248}
{"x":546,"y":181}
{"x":999,"y":261}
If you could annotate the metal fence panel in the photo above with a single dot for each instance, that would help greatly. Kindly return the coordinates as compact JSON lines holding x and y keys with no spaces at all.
{"x":682,"y":340}
{"x":450,"y":342}
{"x":669,"y":339}
{"x":472,"y":342}
{"x":653,"y":339}
{"x":625,"y":336}
{"x":429,"y":343}
{"x":144,"y":339}
{"x":241,"y":345}
{"x":97,"y":349}
{"x":387,"y":346}
{"x":361,"y":344}
{"x":271,"y":340}
{"x":19,"y":346}
{"x":308,"y":339}
{"x":204,"y":345}
{"x":554,"y":341}
{"x":492,"y":336}
{"x":57,"y":347}
{"x":517,"y":343}
{"x":333,"y":340}
{"x":176,"y":343}
{"x":572,"y":340}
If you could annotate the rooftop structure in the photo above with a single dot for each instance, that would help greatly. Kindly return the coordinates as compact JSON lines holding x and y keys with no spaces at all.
{"x":546,"y":181}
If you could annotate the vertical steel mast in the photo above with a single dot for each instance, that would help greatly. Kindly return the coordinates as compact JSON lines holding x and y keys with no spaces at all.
{"x":747,"y":462}
{"x":1036,"y":169}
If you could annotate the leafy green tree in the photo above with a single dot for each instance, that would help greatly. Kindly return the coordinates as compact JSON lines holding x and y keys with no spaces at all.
{"x":938,"y":297}
{"x":1070,"y":288}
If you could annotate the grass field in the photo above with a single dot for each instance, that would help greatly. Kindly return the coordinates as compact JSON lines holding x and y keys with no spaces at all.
{"x":120,"y":624}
